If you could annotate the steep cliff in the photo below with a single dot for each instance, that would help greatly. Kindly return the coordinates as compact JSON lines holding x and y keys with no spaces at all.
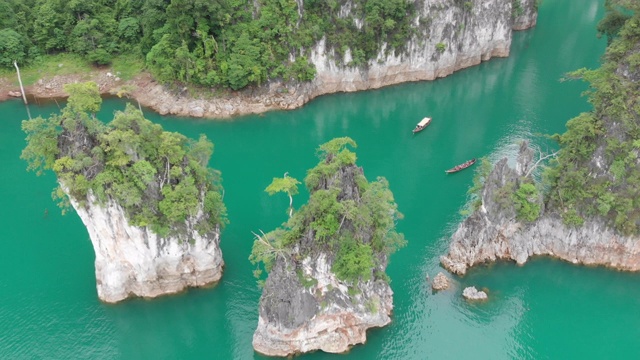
{"x":495,"y":232}
{"x":447,"y":35}
{"x":135,"y":261}
{"x":152,"y":208}
{"x":327,"y":283}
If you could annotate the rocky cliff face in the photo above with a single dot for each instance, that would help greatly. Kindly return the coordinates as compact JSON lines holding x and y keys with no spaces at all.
{"x":305,"y":306}
{"x":323,"y":316}
{"x":493,"y":232}
{"x":134,"y":261}
{"x":469,"y":34}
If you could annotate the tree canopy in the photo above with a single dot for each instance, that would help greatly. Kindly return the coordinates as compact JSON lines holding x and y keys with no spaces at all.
{"x":597,"y":171}
{"x":160,"y":178}
{"x":222,"y":43}
{"x":350,"y":218}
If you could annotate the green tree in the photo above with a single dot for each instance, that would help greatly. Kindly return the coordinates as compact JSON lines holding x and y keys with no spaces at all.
{"x":12,"y":47}
{"x":286,"y":185}
{"x":349,"y":218}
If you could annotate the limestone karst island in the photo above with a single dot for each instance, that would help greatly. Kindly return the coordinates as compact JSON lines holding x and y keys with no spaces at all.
{"x":363,"y":179}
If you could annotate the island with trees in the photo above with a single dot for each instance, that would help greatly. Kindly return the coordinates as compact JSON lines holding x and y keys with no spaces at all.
{"x":152,"y":206}
{"x":326,"y":264}
{"x":584,"y":206}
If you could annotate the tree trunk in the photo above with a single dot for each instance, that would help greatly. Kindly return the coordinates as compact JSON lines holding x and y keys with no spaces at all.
{"x":24,"y":96}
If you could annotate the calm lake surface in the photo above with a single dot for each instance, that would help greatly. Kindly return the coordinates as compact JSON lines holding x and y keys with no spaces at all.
{"x":547,"y":309}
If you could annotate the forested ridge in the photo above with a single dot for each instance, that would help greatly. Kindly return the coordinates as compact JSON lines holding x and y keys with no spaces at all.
{"x":215,"y":43}
{"x":596,"y":173}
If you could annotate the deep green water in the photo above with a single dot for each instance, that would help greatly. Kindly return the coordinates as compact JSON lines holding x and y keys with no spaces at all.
{"x":546,"y":309}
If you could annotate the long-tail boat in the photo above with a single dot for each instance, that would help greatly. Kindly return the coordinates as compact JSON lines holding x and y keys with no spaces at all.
{"x":461,"y":166}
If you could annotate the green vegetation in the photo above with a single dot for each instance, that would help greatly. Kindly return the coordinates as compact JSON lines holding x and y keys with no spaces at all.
{"x":222,"y":43}
{"x":597,"y":171}
{"x":616,"y":16}
{"x":355,"y":225}
{"x":58,"y":64}
{"x":525,"y":200}
{"x":516,"y":8}
{"x":160,"y":178}
{"x":287,"y":185}
{"x":475,"y":192}
{"x":441,"y":47}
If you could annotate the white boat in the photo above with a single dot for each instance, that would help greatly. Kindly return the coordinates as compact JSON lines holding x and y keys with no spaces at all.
{"x":422,"y":124}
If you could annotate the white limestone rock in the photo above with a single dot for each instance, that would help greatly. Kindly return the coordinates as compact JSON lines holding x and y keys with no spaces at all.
{"x":440,"y":282}
{"x":471,"y":293}
{"x":135,"y":262}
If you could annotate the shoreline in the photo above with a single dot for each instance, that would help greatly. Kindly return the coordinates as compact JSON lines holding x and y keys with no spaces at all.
{"x":217,"y":104}
{"x":223,"y":104}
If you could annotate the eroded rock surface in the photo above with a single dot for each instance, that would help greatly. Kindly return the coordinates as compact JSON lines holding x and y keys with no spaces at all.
{"x":135,"y":262}
{"x":493,"y":231}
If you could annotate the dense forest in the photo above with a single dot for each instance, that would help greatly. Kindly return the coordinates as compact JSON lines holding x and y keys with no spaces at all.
{"x":216,"y":43}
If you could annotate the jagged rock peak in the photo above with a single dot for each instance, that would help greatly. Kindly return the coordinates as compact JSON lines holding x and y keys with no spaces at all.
{"x":326,"y":284}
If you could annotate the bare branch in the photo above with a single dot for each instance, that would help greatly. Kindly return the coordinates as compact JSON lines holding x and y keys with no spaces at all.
{"x":535,"y":165}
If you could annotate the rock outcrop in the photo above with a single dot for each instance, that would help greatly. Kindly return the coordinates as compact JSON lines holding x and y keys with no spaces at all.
{"x":466,"y":35}
{"x":152,"y":206}
{"x":493,"y":232}
{"x":440,"y":282}
{"x":471,"y":293}
{"x":325,"y":316}
{"x":306,"y":305}
{"x":134,"y":261}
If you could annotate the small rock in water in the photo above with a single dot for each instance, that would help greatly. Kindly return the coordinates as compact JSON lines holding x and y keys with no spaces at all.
{"x":440,"y":282}
{"x":471,"y":293}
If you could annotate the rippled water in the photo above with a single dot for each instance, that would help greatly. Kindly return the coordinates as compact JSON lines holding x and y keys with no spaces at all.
{"x":546,"y":309}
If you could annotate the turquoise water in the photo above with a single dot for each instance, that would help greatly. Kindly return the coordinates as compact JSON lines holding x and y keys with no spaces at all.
{"x":546,"y":309}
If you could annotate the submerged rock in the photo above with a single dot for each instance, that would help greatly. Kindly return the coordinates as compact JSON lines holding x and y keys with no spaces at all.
{"x":471,"y":293}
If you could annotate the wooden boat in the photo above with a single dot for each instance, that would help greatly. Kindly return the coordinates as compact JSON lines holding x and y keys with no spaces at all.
{"x":422,"y":124}
{"x":461,"y":166}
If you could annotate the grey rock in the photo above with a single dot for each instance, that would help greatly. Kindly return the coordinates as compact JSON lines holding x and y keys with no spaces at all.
{"x":493,"y":232}
{"x":325,"y":314}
